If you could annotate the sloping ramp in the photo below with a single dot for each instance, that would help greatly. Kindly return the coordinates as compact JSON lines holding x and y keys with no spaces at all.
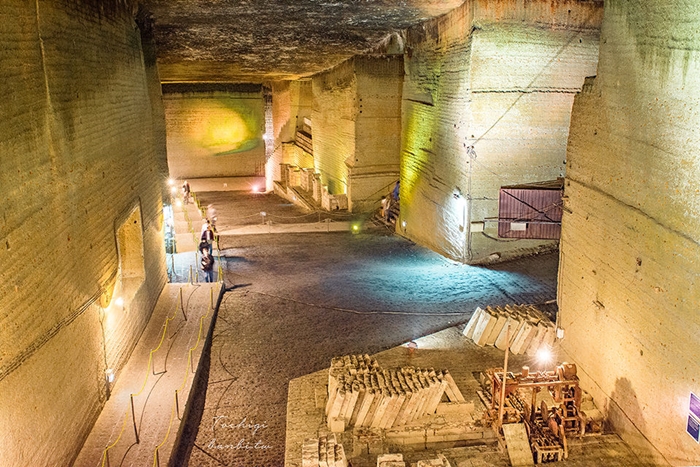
{"x":518,"y":445}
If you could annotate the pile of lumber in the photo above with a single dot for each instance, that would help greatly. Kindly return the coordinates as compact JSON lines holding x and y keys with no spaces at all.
{"x":323,"y":452}
{"x":361,"y":394}
{"x":530,"y":329}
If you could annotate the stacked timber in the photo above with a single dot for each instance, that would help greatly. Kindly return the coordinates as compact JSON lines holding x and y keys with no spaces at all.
{"x":530,"y":329}
{"x":361,"y":394}
{"x":323,"y":452}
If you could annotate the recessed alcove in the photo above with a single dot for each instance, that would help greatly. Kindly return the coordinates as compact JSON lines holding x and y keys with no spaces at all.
{"x":132,"y":272}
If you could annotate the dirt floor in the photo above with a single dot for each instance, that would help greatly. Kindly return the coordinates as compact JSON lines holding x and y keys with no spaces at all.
{"x":294,"y":301}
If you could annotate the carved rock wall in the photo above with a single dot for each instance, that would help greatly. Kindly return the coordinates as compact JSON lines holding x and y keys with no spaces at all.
{"x":630,"y":244}
{"x":214,"y":131}
{"x":80,"y":153}
{"x":499,"y":76}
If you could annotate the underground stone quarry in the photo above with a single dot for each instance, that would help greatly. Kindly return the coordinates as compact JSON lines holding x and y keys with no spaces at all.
{"x":529,"y":152}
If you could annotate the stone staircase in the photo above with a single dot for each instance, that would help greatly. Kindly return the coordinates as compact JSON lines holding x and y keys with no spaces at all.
{"x":187,"y":224}
{"x":391,"y":217}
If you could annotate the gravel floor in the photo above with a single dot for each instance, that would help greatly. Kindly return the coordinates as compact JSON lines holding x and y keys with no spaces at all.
{"x":295,"y":301}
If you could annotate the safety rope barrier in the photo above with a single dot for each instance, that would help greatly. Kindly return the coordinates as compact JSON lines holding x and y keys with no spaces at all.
{"x":175,"y":409}
{"x":179,"y":304}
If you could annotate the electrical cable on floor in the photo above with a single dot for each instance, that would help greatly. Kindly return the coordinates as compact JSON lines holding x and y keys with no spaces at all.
{"x":373,"y":312}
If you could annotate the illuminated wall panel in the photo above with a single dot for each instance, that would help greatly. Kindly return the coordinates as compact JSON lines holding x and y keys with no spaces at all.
{"x":501,"y":78}
{"x":629,"y":269}
{"x":214,"y":131}
{"x":81,"y":149}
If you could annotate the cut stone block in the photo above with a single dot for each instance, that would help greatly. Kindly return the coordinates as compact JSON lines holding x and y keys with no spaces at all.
{"x":469,"y":329}
{"x":309,"y":453}
{"x":523,"y":338}
{"x":506,"y":335}
{"x":536,"y":340}
{"x":322,"y":452}
{"x":457,"y":408}
{"x":390,"y":460}
{"x":347,"y":409}
{"x":483,"y":328}
{"x":365,"y":407}
{"x":391,"y":409}
{"x":444,"y":460}
{"x":453,"y":392}
{"x":336,"y":404}
{"x":496,"y":329}
{"x":409,"y":404}
{"x":518,"y":444}
{"x":336,"y":425}
{"x":384,"y":402}
{"x":429,"y":463}
{"x":340,"y":459}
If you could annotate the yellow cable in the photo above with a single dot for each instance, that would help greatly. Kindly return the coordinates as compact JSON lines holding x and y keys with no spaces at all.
{"x":167,"y":434}
{"x":104,"y":453}
{"x":148,"y":367}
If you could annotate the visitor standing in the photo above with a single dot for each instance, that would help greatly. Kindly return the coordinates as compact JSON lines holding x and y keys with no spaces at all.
{"x":208,"y":238}
{"x":395,"y":191}
{"x":211,"y":216}
{"x":186,"y":192}
{"x":207,"y":265}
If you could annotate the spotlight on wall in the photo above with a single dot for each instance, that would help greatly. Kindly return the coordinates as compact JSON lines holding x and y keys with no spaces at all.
{"x":119,"y":302}
{"x":178,"y":203}
{"x":171,"y":182}
{"x":173,"y":190}
{"x":355,"y":228}
{"x":255,"y":188}
{"x":109,"y":380}
{"x":403,"y":225}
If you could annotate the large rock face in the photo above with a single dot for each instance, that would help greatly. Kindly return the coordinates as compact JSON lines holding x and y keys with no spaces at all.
{"x":629,"y":289}
{"x":501,"y":77}
{"x":356,"y":127}
{"x":214,"y":130}
{"x":82,"y":175}
{"x":253,"y":41}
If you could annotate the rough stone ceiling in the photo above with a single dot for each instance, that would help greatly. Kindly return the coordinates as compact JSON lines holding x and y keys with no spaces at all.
{"x":252,"y":41}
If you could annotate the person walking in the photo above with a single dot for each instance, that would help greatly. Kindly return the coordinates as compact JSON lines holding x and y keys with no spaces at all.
{"x":208,"y":238}
{"x":211,"y":216}
{"x":207,"y":265}
{"x":186,"y":192}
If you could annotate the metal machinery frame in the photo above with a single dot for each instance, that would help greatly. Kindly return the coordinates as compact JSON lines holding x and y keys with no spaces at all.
{"x":547,"y":426}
